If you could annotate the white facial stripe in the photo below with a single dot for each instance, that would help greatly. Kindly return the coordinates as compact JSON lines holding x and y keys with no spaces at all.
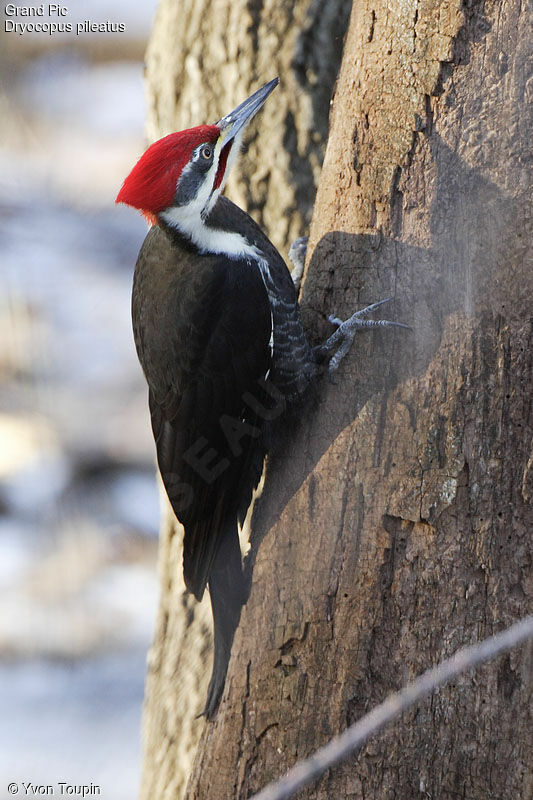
{"x":189,"y":218}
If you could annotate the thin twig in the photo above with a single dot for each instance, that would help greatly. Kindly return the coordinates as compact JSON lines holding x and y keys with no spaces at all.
{"x":342,"y":746}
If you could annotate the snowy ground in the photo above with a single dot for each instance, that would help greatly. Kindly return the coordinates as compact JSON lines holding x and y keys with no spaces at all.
{"x":78,"y":500}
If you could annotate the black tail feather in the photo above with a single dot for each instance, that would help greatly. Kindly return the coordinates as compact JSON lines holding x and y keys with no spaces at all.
{"x":227,"y":589}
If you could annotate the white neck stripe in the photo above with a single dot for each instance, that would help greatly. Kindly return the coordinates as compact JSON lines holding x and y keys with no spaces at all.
{"x":208,"y":240}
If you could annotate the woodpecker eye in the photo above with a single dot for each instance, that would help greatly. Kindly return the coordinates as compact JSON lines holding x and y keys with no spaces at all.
{"x":206,"y":152}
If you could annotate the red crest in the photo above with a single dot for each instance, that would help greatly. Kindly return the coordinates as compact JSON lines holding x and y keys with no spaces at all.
{"x":151,"y":185}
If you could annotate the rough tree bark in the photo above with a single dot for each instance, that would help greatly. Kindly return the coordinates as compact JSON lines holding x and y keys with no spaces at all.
{"x":395,"y":522}
{"x":203,"y":58}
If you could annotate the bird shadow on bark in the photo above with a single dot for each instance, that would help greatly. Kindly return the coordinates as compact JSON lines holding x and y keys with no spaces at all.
{"x":473,"y":224}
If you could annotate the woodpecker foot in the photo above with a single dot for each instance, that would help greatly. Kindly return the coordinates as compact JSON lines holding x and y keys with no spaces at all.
{"x":297,"y":253}
{"x":342,"y":340}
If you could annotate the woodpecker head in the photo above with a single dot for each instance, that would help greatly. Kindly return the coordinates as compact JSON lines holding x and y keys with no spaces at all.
{"x":179,"y":177}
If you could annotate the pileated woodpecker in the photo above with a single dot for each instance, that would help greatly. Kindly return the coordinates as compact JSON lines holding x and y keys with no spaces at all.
{"x":218,"y":334}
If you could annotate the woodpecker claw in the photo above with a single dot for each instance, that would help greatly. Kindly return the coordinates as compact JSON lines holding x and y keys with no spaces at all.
{"x":335,"y":320}
{"x":341,"y":341}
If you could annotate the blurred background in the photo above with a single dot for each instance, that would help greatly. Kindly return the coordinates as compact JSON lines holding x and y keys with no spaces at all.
{"x":78,"y":500}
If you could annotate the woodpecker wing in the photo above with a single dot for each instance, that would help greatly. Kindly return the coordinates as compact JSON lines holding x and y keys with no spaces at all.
{"x":208,"y":439}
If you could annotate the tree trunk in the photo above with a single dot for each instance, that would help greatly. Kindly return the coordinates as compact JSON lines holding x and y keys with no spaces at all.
{"x":204,"y":58}
{"x":395,"y":521}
